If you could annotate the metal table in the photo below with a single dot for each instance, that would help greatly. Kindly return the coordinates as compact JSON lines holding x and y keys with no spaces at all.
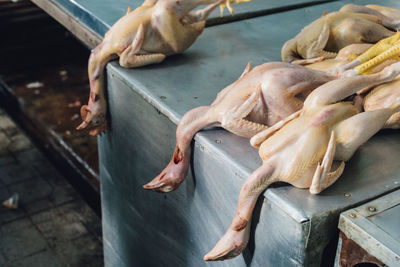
{"x":375,"y":227}
{"x":89,"y":20}
{"x":291,"y":227}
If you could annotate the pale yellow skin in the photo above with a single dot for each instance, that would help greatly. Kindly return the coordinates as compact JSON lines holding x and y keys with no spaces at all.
{"x":392,"y":13}
{"x":144,"y":36}
{"x":323,"y":134}
{"x":369,"y":98}
{"x":258,"y":99}
{"x":308,"y":149}
{"x":351,"y":25}
{"x":243,"y":108}
{"x":344,"y":56}
{"x":383,"y":96}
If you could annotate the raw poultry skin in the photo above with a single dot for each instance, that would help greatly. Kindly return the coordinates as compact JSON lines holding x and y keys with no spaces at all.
{"x":382,"y":54}
{"x":370,"y":98}
{"x":144,"y":36}
{"x":308,"y":149}
{"x":344,"y":56}
{"x":351,"y":25}
{"x":258,"y":99}
{"x":383,"y":96}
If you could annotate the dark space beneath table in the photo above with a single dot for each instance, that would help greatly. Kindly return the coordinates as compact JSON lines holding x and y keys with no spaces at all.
{"x":43,"y":85}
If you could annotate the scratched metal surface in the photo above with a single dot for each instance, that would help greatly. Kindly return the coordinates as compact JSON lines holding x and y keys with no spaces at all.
{"x":375,"y":226}
{"x":144,"y":228}
{"x":100,"y":15}
{"x":177,"y":229}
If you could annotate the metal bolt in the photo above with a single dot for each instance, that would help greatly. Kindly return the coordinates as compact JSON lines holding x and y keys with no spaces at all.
{"x":352,"y":215}
{"x":347,"y":194}
{"x":372,"y":209}
{"x":218,"y":141}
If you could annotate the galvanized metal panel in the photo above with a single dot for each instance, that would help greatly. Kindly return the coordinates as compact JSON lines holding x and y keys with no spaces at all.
{"x":337,"y":257}
{"x":375,"y":226}
{"x":142,"y":228}
{"x":389,"y":220}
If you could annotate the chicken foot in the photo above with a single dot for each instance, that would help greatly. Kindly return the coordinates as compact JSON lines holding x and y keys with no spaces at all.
{"x":377,"y":49}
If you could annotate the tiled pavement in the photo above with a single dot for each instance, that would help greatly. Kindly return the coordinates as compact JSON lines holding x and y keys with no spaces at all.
{"x":53,"y":226}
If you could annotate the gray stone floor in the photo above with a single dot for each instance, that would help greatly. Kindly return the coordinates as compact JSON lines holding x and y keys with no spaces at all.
{"x":53,"y":226}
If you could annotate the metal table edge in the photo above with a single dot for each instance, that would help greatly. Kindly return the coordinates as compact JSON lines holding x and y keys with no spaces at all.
{"x":351,"y":226}
{"x":79,"y":29}
{"x":355,"y":220}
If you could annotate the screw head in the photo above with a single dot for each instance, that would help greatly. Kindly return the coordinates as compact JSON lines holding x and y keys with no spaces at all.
{"x":347,"y":194}
{"x":372,"y":209}
{"x":352,"y":215}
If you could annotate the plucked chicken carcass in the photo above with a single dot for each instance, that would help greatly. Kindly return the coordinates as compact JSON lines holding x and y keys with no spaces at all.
{"x":258,"y":99}
{"x":309,"y":148}
{"x":156,"y":29}
{"x":352,"y":24}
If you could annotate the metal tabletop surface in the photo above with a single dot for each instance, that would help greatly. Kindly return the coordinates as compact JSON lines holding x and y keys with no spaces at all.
{"x":135,"y":149}
{"x":375,"y":227}
{"x":193,"y":79}
{"x":100,"y":15}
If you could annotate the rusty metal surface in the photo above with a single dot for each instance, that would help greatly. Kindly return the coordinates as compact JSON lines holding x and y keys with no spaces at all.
{"x":352,"y":254}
